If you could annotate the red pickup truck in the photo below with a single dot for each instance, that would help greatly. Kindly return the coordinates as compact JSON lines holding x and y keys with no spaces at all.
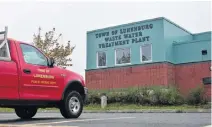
{"x":29,"y":81}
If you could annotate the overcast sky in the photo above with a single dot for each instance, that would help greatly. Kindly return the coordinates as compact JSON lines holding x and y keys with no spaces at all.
{"x":74,"y":19}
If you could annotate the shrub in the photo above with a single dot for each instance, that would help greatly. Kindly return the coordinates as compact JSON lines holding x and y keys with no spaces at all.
{"x":196,"y":96}
{"x":131,"y":96}
{"x":170,"y":96}
{"x":154,"y":95}
{"x":123,"y":96}
{"x":160,"y":95}
{"x":93,"y":98}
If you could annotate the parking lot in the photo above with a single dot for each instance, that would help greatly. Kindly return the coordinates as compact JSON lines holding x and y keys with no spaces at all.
{"x":110,"y":120}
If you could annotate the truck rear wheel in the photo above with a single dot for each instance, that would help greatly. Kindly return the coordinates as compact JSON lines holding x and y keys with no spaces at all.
{"x":72,"y":105}
{"x":25,"y":112}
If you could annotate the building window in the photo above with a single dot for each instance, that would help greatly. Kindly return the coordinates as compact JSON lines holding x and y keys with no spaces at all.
{"x":101,"y":59}
{"x":146,"y":53}
{"x":122,"y":56}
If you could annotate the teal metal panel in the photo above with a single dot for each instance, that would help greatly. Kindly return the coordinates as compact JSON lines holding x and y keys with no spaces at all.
{"x":173,"y":33}
{"x":202,"y":36}
{"x":186,"y":52}
{"x":101,"y":40}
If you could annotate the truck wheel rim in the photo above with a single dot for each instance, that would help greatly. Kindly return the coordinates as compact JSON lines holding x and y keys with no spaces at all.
{"x":74,"y":105}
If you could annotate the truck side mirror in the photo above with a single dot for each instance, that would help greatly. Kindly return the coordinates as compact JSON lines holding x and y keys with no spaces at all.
{"x":51,"y":62}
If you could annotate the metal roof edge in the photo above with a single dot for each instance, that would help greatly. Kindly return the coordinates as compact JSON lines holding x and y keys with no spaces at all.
{"x":177,"y":25}
{"x":192,"y":41}
{"x":202,"y":33}
{"x":125,"y":24}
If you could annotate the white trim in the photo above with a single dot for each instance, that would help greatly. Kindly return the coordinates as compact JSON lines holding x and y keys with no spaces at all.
{"x":142,"y":54}
{"x":7,"y":50}
{"x":123,"y":63}
{"x":97,"y":59}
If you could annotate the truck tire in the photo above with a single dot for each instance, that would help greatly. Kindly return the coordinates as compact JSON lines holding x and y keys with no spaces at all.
{"x":72,"y":105}
{"x":25,"y":112}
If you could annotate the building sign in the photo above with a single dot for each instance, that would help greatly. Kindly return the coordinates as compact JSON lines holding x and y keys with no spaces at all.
{"x":124,"y":36}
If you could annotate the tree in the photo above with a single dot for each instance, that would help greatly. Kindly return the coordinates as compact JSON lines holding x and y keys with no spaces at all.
{"x":50,"y":46}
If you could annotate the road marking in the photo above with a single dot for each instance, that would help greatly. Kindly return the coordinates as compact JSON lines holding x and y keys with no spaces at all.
{"x":81,"y":120}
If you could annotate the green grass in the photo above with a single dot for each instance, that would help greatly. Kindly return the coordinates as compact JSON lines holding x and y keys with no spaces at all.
{"x":6,"y":110}
{"x":127,"y":107}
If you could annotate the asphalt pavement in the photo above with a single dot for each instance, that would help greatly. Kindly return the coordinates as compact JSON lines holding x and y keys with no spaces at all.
{"x":112,"y":120}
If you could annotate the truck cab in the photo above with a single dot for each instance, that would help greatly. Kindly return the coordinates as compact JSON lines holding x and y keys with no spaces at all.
{"x":29,"y":80}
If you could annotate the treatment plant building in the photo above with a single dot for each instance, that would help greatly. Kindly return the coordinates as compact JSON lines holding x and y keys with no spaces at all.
{"x":148,"y":52}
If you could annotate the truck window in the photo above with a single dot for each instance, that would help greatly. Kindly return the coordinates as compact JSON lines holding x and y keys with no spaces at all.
{"x":33,"y":56}
{"x":4,"y":49}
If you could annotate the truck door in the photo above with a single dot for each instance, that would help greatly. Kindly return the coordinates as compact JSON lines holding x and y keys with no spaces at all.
{"x":38,"y":81}
{"x":8,"y":72}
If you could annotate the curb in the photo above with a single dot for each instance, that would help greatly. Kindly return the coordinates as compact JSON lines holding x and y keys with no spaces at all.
{"x":132,"y":111}
{"x":150,"y":111}
{"x":140,"y":111}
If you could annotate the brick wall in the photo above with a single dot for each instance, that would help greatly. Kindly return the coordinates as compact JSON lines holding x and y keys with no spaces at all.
{"x":141,"y":75}
{"x":189,"y":76}
{"x":184,"y":76}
